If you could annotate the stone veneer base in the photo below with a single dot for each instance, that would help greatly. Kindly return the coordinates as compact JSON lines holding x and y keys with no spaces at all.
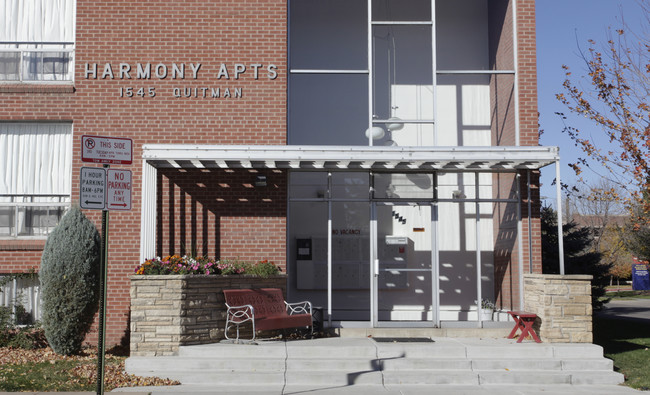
{"x":563,"y":305}
{"x":178,"y":310}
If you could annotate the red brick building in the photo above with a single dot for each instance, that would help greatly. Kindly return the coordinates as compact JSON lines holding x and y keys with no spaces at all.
{"x":384,"y":153}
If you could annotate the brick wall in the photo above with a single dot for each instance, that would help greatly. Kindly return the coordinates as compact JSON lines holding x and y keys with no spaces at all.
{"x":227,"y":218}
{"x":225,"y":32}
{"x":506,"y":255}
{"x":166,"y":31}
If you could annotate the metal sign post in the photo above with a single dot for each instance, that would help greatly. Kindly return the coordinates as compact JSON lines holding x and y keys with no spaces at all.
{"x":104,"y":189}
{"x":103,"y":282}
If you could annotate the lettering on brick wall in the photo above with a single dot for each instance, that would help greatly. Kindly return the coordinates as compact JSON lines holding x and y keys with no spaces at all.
{"x":180,"y":71}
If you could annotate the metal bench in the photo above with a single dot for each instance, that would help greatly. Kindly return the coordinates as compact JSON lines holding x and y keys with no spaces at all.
{"x":265,"y":309}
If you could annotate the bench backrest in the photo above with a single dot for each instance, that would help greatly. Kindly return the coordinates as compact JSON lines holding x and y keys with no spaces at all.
{"x":267,"y":302}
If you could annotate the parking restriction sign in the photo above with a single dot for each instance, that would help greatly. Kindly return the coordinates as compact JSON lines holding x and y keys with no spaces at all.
{"x":92,"y":188}
{"x":118,"y":189}
{"x":100,"y":149}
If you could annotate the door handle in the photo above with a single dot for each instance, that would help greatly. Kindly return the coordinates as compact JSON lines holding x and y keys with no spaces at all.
{"x":376,"y":267}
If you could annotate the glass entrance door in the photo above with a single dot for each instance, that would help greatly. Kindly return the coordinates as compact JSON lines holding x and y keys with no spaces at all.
{"x":403,"y":264}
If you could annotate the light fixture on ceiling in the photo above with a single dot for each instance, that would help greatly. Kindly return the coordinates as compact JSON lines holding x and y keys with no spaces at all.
{"x":375,"y":132}
{"x":394,"y":123}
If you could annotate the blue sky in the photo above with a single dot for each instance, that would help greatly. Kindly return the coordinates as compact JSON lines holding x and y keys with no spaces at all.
{"x":563,"y":25}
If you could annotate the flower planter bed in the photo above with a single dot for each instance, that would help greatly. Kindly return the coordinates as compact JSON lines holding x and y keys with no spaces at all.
{"x":168,"y":311}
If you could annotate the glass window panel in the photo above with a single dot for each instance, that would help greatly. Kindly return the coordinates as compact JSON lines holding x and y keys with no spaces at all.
{"x":350,"y":185}
{"x":7,"y":220}
{"x":455,"y":185}
{"x":462,"y":35}
{"x":351,"y":261}
{"x":41,"y":220}
{"x":401,"y":10}
{"x":406,"y":134}
{"x":308,"y":185}
{"x":307,"y":243}
{"x":55,"y":66}
{"x":32,"y":66}
{"x":403,"y":186}
{"x":9,"y":66}
{"x":328,"y":109}
{"x":402,"y":72}
{"x":328,"y":34}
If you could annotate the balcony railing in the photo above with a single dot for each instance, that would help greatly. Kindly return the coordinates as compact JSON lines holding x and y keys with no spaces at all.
{"x":31,"y":215}
{"x":36,"y":62}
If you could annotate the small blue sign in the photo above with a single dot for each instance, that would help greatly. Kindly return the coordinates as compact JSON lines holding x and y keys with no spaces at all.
{"x":640,"y":277}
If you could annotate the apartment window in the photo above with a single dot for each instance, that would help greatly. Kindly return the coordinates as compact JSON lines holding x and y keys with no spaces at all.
{"x":406,"y":73}
{"x":37,"y":41}
{"x":35,"y":176}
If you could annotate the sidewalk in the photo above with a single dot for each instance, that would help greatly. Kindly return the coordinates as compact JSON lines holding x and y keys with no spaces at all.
{"x":523,"y":389}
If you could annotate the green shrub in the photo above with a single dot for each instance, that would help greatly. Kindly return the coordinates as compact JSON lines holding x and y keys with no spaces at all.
{"x":28,"y":338}
{"x":264,"y":269}
{"x":5,"y":325}
{"x":69,"y":278}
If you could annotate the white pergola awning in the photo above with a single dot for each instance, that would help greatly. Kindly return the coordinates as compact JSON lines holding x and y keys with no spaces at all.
{"x":491,"y":159}
{"x":357,"y":157}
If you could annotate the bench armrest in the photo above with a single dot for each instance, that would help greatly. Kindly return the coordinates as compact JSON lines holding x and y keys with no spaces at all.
{"x":239,"y":314}
{"x":298,"y":308}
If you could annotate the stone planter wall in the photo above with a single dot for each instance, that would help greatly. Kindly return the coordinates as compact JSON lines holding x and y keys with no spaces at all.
{"x":172,"y":311}
{"x":562,"y":304}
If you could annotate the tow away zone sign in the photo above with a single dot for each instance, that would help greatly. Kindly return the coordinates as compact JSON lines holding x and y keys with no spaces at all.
{"x":109,"y":150}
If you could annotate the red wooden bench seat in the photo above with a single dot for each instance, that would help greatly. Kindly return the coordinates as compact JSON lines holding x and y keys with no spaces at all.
{"x":266,"y":309}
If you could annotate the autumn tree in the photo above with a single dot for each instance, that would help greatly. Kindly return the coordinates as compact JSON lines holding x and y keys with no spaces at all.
{"x":607,"y":220}
{"x":616,"y":99}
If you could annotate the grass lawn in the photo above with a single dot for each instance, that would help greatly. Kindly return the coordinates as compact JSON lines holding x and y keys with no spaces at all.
{"x":627,"y":343}
{"x":629,"y":294}
{"x":43,"y":370}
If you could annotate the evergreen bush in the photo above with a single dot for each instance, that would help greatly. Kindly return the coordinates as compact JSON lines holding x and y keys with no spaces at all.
{"x":69,"y":278}
{"x":579,"y":257}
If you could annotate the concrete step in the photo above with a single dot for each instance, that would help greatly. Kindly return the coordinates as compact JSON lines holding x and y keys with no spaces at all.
{"x":596,"y":378}
{"x":334,"y":378}
{"x":521,"y":377}
{"x":593,"y":364}
{"x":449,"y":377}
{"x":225,"y":378}
{"x":552,"y":378}
{"x":244,"y":350}
{"x":348,"y":361}
{"x":165,"y":364}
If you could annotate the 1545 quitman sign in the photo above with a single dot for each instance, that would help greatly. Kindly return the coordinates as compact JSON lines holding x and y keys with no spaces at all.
{"x":179,"y":71}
